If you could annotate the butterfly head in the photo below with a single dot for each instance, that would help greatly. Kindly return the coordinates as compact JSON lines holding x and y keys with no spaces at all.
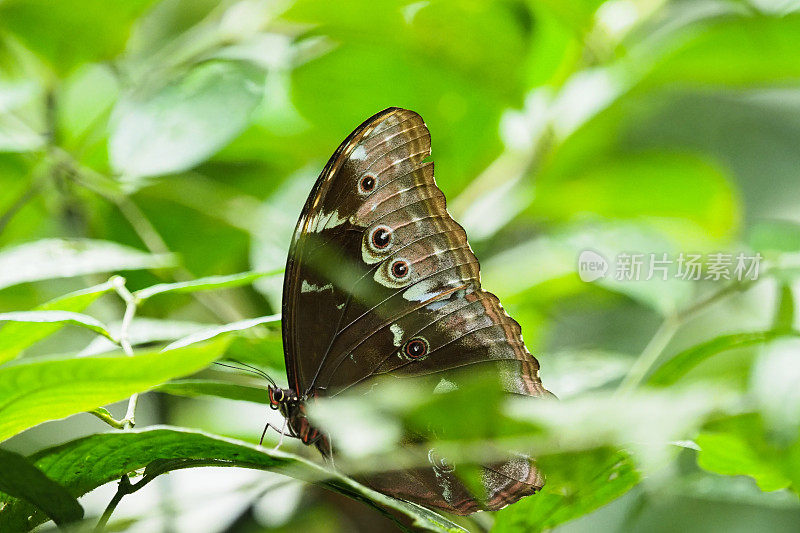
{"x":282,"y":399}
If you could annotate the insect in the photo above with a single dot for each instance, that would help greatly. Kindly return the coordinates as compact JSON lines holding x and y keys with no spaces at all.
{"x":380,"y":280}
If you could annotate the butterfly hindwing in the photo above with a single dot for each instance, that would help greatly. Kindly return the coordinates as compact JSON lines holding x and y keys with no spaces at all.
{"x":381,"y":280}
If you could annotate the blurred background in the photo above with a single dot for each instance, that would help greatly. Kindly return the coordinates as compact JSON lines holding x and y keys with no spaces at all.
{"x":194,"y":129}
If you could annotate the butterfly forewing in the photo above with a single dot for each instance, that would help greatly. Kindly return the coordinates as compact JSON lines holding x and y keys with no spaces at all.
{"x":381,"y":280}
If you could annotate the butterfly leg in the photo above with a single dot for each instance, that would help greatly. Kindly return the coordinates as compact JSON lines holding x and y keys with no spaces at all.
{"x":283,"y":429}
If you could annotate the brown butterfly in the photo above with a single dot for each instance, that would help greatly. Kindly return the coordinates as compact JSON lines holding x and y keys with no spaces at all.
{"x":380,"y":280}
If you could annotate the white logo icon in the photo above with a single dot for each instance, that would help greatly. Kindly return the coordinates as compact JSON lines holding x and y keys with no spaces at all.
{"x":591,"y":266}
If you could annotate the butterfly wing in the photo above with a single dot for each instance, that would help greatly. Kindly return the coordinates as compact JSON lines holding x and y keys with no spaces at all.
{"x":381,"y":280}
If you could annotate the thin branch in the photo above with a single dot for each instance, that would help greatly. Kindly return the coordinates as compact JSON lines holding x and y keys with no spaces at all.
{"x":668,"y":328}
{"x":141,"y":225}
{"x":123,"y":489}
{"x":153,"y":241}
{"x":650,"y":355}
{"x":148,"y":234}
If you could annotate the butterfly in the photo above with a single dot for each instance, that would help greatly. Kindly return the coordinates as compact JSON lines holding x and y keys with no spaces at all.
{"x":380,"y":281}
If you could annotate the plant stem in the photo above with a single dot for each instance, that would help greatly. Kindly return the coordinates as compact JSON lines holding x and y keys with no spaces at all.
{"x":106,"y":417}
{"x":124,"y":340}
{"x":122,"y":490}
{"x":663,"y":335}
{"x":649,"y":356}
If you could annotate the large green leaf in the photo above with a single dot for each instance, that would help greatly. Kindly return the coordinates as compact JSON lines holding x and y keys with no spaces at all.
{"x":59,"y":258}
{"x":185,"y":122}
{"x":58,"y":318}
{"x":21,"y":479}
{"x":733,"y":50}
{"x":47,"y":388}
{"x":17,"y":336}
{"x":740,"y":446}
{"x":612,"y":189}
{"x":68,"y":33}
{"x":732,"y":455}
{"x":87,"y":463}
{"x":577,"y":484}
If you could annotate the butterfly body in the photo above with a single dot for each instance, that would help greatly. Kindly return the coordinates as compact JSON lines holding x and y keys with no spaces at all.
{"x":381,"y":281}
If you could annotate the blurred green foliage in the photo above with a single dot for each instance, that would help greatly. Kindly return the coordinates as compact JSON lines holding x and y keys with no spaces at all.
{"x":175,"y":141}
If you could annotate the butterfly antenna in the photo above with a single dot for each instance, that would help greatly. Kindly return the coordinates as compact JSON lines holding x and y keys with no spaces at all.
{"x":251,"y":369}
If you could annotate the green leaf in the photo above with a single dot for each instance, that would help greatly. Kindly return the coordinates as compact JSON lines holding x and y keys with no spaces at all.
{"x":40,"y":389}
{"x":85,"y":464}
{"x":17,"y":336}
{"x":203,"y":284}
{"x":577,"y":484}
{"x":59,"y":258}
{"x":185,"y":122}
{"x":681,"y":363}
{"x":69,"y":33}
{"x":210,"y":387}
{"x":611,"y":189}
{"x":734,"y":51}
{"x":210,"y":333}
{"x":58,"y":317}
{"x":144,"y":331}
{"x":21,"y":479}
{"x":733,"y":454}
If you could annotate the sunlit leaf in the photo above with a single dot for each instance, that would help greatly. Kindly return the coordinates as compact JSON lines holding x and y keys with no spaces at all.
{"x":39,"y":389}
{"x":729,"y":455}
{"x":57,"y":317}
{"x":17,"y":336}
{"x":160,"y":450}
{"x":185,"y":122}
{"x":738,"y":446}
{"x":20,"y":479}
{"x":59,"y":258}
{"x":219,"y":330}
{"x":202,"y":284}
